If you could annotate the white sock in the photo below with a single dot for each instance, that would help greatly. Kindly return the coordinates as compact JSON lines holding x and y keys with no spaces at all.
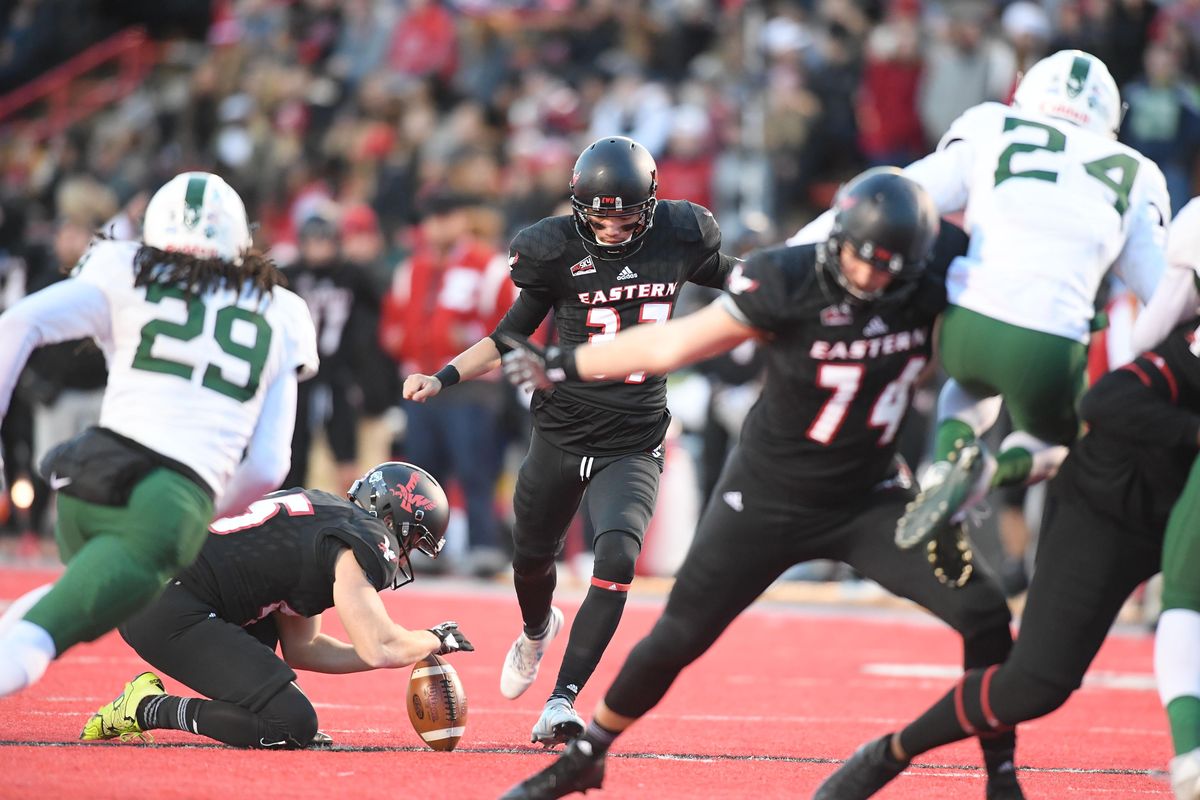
{"x":980,"y":413}
{"x":19,"y":607}
{"x":1177,"y":654}
{"x":26,"y":650}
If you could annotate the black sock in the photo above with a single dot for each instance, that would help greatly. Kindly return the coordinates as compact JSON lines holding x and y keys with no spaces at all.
{"x":600,"y":737}
{"x":168,"y":711}
{"x":999,"y":754}
{"x":936,"y":727}
{"x":592,"y":630}
{"x":535,"y":590}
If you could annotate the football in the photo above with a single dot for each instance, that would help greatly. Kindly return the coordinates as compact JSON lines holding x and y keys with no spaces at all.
{"x":437,"y":705}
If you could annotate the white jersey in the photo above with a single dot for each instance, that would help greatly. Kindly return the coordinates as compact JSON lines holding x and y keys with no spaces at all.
{"x":1049,"y":207}
{"x":187,"y":378}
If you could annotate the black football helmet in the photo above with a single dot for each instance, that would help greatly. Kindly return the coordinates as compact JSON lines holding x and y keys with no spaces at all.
{"x":412,"y":505}
{"x":890,"y":221}
{"x":613,"y":177}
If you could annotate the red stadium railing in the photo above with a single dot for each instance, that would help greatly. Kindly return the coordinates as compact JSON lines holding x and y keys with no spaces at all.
{"x":64,"y":94}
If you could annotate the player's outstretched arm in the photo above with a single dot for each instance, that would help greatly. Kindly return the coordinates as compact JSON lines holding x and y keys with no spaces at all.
{"x":377,"y":641}
{"x":659,"y":349}
{"x":651,"y":348}
{"x":478,"y":359}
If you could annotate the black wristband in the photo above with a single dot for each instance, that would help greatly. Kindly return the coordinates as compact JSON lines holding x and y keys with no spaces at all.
{"x":448,"y":375}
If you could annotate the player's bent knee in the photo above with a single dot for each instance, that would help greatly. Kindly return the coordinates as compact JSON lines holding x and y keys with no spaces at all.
{"x":1019,"y":696}
{"x":616,"y":555}
{"x":288,"y":717}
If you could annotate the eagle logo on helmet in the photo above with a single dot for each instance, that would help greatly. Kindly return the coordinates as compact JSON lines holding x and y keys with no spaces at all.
{"x":410,"y":501}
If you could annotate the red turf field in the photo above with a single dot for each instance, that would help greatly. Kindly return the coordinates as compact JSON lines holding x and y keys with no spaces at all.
{"x":783,"y":697}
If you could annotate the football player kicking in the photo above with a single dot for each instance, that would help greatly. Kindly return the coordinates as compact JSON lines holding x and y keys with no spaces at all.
{"x":1022,"y":299}
{"x":847,"y":327}
{"x":617,"y":261}
{"x":204,"y":349}
{"x":263,"y":578}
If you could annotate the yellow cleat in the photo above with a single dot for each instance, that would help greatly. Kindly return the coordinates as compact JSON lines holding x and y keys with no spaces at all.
{"x":119,"y":718}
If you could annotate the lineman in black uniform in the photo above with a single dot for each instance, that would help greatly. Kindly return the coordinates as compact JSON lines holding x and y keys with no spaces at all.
{"x":847,"y":329}
{"x":263,"y":578}
{"x":616,"y":262}
{"x":1102,"y":536}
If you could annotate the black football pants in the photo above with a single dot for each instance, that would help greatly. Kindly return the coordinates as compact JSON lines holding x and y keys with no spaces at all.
{"x":750,"y":534}
{"x":1087,"y":565}
{"x":181,"y":636}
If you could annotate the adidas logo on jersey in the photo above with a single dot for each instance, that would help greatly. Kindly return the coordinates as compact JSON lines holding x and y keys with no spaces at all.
{"x":626,"y":274}
{"x":875,"y":327}
{"x":733,"y":500}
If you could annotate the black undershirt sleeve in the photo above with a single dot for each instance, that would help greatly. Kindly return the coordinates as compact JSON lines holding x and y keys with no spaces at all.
{"x":524,"y":317}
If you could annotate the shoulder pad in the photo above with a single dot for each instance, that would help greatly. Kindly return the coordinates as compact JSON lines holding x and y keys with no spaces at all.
{"x":543,"y":240}
{"x":690,"y":222}
{"x":535,"y":246}
{"x":981,"y":120}
{"x":108,"y":262}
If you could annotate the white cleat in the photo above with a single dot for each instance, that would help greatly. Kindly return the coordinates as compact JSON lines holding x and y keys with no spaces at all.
{"x":521,"y":665}
{"x":1185,"y":775}
{"x":559,"y":723}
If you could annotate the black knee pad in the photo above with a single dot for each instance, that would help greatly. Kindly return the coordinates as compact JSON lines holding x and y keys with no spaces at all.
{"x":289,"y":717}
{"x":616,"y":555}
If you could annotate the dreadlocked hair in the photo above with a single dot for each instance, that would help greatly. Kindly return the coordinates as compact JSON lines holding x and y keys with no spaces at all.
{"x":198,"y":275}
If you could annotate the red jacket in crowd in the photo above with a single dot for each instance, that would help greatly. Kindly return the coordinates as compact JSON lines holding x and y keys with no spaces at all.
{"x":439,"y":307}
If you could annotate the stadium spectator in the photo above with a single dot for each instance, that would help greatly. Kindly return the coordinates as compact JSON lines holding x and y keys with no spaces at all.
{"x":965,"y":65}
{"x":1163,"y":120}
{"x":216,"y":626}
{"x":451,"y":291}
{"x":197,"y":416}
{"x":344,"y":303}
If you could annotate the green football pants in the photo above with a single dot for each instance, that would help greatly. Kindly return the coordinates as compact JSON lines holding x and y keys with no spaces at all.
{"x":1041,"y":376}
{"x":119,"y":558}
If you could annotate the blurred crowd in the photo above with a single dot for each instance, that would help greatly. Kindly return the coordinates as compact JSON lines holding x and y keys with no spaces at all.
{"x":390,"y":148}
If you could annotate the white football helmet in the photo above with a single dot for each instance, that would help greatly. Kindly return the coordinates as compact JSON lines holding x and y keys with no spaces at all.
{"x":198,"y":213}
{"x":1074,"y":86}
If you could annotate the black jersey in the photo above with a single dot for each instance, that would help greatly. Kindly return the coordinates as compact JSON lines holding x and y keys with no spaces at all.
{"x":839,"y":374}
{"x":593,"y":300}
{"x":281,"y":553}
{"x":1143,"y":420}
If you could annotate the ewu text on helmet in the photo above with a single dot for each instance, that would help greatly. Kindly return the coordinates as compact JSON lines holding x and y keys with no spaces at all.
{"x":614,"y":177}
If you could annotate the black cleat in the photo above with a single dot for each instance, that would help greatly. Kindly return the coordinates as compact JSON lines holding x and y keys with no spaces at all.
{"x":1002,"y":784}
{"x":864,"y":773}
{"x":321,"y":739}
{"x":576,"y":770}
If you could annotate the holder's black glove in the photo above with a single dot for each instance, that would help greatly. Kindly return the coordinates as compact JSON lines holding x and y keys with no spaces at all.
{"x":530,"y":367}
{"x":451,"y":638}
